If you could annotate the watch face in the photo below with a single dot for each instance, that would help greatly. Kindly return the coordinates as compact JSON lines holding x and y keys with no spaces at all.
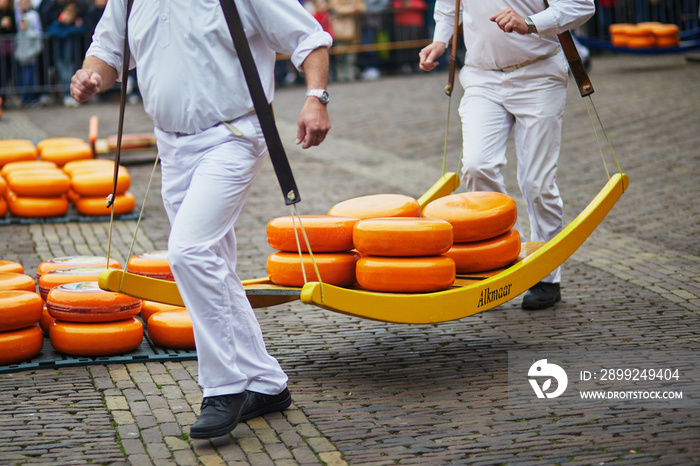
{"x":324,"y":98}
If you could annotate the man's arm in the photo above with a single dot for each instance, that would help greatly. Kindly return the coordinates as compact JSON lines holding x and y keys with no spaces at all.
{"x":95,"y":76}
{"x":313,"y":122}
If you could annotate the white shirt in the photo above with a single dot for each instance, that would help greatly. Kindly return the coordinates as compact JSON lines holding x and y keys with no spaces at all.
{"x":188,"y":71}
{"x":488,"y":47}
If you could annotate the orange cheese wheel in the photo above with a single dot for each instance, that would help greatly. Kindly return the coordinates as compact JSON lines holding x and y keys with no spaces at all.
{"x":89,"y":165}
{"x":16,"y":281}
{"x":131,"y":141}
{"x":151,"y":307}
{"x":11,"y":266}
{"x":618,"y":34}
{"x":25,"y":165}
{"x":64,"y":150}
{"x":284,"y":268}
{"x":54,"y":278}
{"x":3,"y":206}
{"x":666,"y":35}
{"x":19,"y":309}
{"x":16,"y":150}
{"x":377,"y":205}
{"x":171,"y":329}
{"x":20,"y":345}
{"x":151,"y":264}
{"x":97,"y":206}
{"x":87,"y":302}
{"x":475,"y":216}
{"x":45,"y":182}
{"x":37,"y":207}
{"x":46,"y":320}
{"x":75,"y":261}
{"x":99,"y":183}
{"x":402,"y":236}
{"x":641,"y":37}
{"x":406,"y":274}
{"x":96,"y":339}
{"x":326,"y":233}
{"x":480,"y":256}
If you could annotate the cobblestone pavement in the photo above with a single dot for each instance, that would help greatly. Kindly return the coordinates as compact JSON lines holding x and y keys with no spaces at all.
{"x":374,"y":393}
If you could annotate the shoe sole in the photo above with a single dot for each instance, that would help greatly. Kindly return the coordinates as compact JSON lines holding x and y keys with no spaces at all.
{"x":215,"y":433}
{"x":281,"y":405}
{"x":540,"y":306}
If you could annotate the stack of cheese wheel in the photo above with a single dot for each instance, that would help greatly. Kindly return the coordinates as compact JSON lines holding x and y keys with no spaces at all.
{"x":20,"y":336}
{"x":330,"y":238}
{"x":666,"y":35}
{"x":151,"y":264}
{"x":641,"y":36}
{"x":483,"y":233}
{"x":66,"y":262}
{"x":14,"y":150}
{"x":92,"y":181}
{"x":93,"y":322}
{"x":403,"y":254}
{"x":36,"y":189}
{"x":62,"y":150}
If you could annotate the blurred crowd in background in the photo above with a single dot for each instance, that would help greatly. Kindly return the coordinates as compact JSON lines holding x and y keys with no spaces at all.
{"x":43,"y":42}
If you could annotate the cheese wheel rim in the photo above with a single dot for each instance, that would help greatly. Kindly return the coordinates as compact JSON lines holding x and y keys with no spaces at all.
{"x":64,"y":262}
{"x":325,"y":233}
{"x":482,"y":256}
{"x":284,"y":268}
{"x":11,"y":266}
{"x":54,"y":278}
{"x":377,"y":205}
{"x":402,"y":236}
{"x":16,"y":281}
{"x":152,"y":264}
{"x":19,"y":309}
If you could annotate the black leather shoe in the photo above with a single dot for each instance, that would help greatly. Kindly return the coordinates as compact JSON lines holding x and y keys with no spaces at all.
{"x":542,"y":296}
{"x":220,"y":415}
{"x":259,"y":404}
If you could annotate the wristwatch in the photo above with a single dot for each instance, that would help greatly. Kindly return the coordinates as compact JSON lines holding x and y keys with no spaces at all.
{"x":530,"y":25}
{"x":320,"y":94}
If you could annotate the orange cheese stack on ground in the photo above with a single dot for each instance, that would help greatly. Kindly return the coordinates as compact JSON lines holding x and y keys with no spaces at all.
{"x":284,"y":268}
{"x":54,"y":278}
{"x":99,"y":183}
{"x":480,"y":256}
{"x":151,"y":307}
{"x":475,"y":216}
{"x":37,"y":207}
{"x":406,"y":274}
{"x":402,"y":236}
{"x":20,"y":345}
{"x":11,"y":266}
{"x":43,"y":182}
{"x":171,"y":329}
{"x":96,"y":339}
{"x":87,"y":302}
{"x":151,"y":264}
{"x":326,"y":233}
{"x":377,"y":205}
{"x":19,"y":309}
{"x":75,"y":261}
{"x":15,"y":150}
{"x":25,"y":165}
{"x":62,"y":150}
{"x":97,"y":207}
{"x":16,"y":281}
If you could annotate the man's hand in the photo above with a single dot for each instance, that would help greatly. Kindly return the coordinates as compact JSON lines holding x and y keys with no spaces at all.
{"x":429,"y":55}
{"x":313,"y":123}
{"x":84,"y":84}
{"x":509,"y":21}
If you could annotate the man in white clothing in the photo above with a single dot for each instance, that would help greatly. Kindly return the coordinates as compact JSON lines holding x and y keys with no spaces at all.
{"x":211,"y":148}
{"x":514,"y":78}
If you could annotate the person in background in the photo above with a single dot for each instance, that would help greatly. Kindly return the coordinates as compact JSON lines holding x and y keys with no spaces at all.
{"x":28,"y":47}
{"x":515,"y":78}
{"x":211,"y":148}
{"x":345,"y":22}
{"x":67,"y":33}
{"x":8,"y":30}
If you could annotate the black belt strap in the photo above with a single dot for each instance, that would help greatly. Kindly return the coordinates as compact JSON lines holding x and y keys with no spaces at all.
{"x":262,"y":107}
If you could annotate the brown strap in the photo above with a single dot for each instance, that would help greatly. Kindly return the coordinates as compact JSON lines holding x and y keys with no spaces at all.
{"x":453,"y":55}
{"x":575,"y":63}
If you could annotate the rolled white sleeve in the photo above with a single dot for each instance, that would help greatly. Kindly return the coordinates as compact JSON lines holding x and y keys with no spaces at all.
{"x":562,"y":16}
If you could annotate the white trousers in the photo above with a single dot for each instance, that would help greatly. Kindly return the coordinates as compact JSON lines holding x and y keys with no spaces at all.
{"x":205,"y":180}
{"x":530,"y":102}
